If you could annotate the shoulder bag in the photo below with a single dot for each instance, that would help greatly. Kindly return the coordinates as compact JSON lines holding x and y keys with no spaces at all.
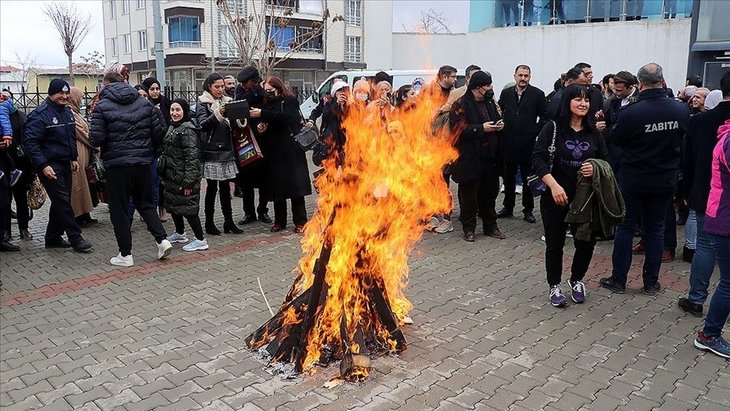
{"x":534,"y":182}
{"x":307,"y":137}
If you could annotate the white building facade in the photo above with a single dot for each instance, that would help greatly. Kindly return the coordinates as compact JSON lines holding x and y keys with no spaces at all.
{"x":195,"y":33}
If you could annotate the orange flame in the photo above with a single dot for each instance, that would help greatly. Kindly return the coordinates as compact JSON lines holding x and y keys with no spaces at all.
{"x":389,"y":184}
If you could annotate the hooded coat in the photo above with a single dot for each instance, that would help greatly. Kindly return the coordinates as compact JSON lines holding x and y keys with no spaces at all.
{"x":126,"y":127}
{"x":179,"y":168}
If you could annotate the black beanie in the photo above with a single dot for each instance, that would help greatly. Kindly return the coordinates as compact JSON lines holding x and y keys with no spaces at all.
{"x":479,"y":79}
{"x":58,"y":85}
{"x":248,"y":73}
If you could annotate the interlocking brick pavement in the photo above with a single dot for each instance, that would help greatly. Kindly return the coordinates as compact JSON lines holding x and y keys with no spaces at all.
{"x":78,"y":333}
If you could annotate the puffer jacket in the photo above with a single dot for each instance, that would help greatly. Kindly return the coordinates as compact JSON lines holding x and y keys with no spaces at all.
{"x":50,"y":135}
{"x":217,"y":144}
{"x":179,"y":168}
{"x":717,"y":215}
{"x":126,"y":127}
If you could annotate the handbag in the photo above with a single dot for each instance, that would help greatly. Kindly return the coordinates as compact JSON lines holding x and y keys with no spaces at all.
{"x":247,"y":148}
{"x":307,"y":137}
{"x":534,"y":182}
{"x":36,"y":194}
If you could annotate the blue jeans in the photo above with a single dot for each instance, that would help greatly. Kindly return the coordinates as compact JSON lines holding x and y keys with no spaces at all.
{"x":720,"y":304}
{"x":703,"y":263}
{"x":651,"y":208}
{"x":690,"y":230}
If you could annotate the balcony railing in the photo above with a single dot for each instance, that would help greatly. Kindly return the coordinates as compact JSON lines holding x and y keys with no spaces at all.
{"x":178,"y":44}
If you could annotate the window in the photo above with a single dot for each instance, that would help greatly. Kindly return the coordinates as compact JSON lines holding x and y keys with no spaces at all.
{"x":282,"y":36}
{"x":226,"y":43}
{"x":353,"y":12}
{"x":141,"y":4}
{"x":142,"y":40}
{"x":127,"y":43}
{"x":309,"y":41}
{"x":285,"y":4}
{"x":125,"y":6}
{"x":112,"y":9}
{"x":184,"y":31}
{"x":114,"y":47}
{"x":353,"y":49}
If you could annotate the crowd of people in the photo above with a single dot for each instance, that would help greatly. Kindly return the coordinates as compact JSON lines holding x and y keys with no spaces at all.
{"x":613,"y":160}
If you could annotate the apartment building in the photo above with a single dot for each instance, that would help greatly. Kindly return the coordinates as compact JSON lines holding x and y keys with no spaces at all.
{"x":195,"y":34}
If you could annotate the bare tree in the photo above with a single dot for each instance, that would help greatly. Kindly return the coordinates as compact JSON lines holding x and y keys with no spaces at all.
{"x":262,"y":36}
{"x":432,"y":21}
{"x":28,"y":65}
{"x":72,"y":26}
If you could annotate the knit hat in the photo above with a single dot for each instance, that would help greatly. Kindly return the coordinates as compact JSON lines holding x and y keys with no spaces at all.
{"x":58,"y":85}
{"x":479,"y":79}
{"x":248,"y":73}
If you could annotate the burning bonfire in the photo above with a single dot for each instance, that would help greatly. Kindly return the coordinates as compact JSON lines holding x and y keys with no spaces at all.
{"x":347,"y":301}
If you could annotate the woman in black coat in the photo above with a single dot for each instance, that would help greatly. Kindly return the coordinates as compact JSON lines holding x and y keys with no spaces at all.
{"x":288,"y":174}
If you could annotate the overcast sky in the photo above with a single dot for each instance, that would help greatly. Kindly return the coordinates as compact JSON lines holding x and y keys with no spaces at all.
{"x":26,"y":31}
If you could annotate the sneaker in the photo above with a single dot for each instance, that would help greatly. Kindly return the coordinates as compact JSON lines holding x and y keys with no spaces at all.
{"x":651,"y":290}
{"x":612,"y":285}
{"x":577,"y":291}
{"x":716,"y":345}
{"x":689,"y":307}
{"x":15,"y":176}
{"x":432,"y":224}
{"x":444,"y":227}
{"x":407,"y":320}
{"x":177,"y":238}
{"x":196,"y":245}
{"x":164,"y":249}
{"x":557,"y":299}
{"x":122,"y":261}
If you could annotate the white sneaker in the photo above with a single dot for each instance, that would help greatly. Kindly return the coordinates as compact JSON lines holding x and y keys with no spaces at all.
{"x":407,"y":320}
{"x":178,"y":238}
{"x":121,"y":261}
{"x":196,"y":245}
{"x":518,"y":189}
{"x":164,"y":249}
{"x":444,"y":227}
{"x":433,"y":223}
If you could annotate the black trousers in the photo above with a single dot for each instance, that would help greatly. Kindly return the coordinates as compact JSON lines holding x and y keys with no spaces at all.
{"x":553,"y":221}
{"x":248,"y":201}
{"x":298,"y":209}
{"x":193,"y":220}
{"x":487,"y":195}
{"x":210,"y":192}
{"x":60,"y":216}
{"x":4,"y":206}
{"x":510,"y":171}
{"x":20,"y":193}
{"x":134,"y":182}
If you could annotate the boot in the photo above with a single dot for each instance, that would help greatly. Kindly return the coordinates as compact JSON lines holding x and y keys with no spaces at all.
{"x":228,"y":226}
{"x":210,"y":192}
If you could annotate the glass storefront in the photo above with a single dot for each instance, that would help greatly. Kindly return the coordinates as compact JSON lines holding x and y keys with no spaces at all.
{"x":510,"y":13}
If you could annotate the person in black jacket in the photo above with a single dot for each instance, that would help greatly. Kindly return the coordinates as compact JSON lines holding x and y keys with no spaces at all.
{"x":476,"y":170}
{"x":697,"y":171}
{"x":253,"y":175}
{"x":50,"y":143}
{"x":219,"y":162}
{"x":129,"y":131}
{"x":20,"y":190}
{"x":649,"y":133}
{"x":576,"y":140}
{"x":521,"y":105}
{"x":288,"y":175}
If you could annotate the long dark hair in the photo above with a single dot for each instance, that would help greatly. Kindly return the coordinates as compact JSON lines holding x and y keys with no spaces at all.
{"x":402,"y":94}
{"x":564,"y":114}
{"x":212,"y":78}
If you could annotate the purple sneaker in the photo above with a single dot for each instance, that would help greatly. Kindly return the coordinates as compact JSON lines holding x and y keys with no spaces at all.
{"x":557,"y":299}
{"x":577,"y":291}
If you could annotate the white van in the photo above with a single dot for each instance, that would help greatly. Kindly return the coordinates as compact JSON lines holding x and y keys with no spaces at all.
{"x":417,"y":78}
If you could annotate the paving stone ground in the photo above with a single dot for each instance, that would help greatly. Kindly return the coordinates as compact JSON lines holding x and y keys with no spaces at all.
{"x":78,"y":333}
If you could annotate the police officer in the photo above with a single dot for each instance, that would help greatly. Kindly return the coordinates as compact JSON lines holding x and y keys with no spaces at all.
{"x":648,"y":132}
{"x":50,"y":143}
